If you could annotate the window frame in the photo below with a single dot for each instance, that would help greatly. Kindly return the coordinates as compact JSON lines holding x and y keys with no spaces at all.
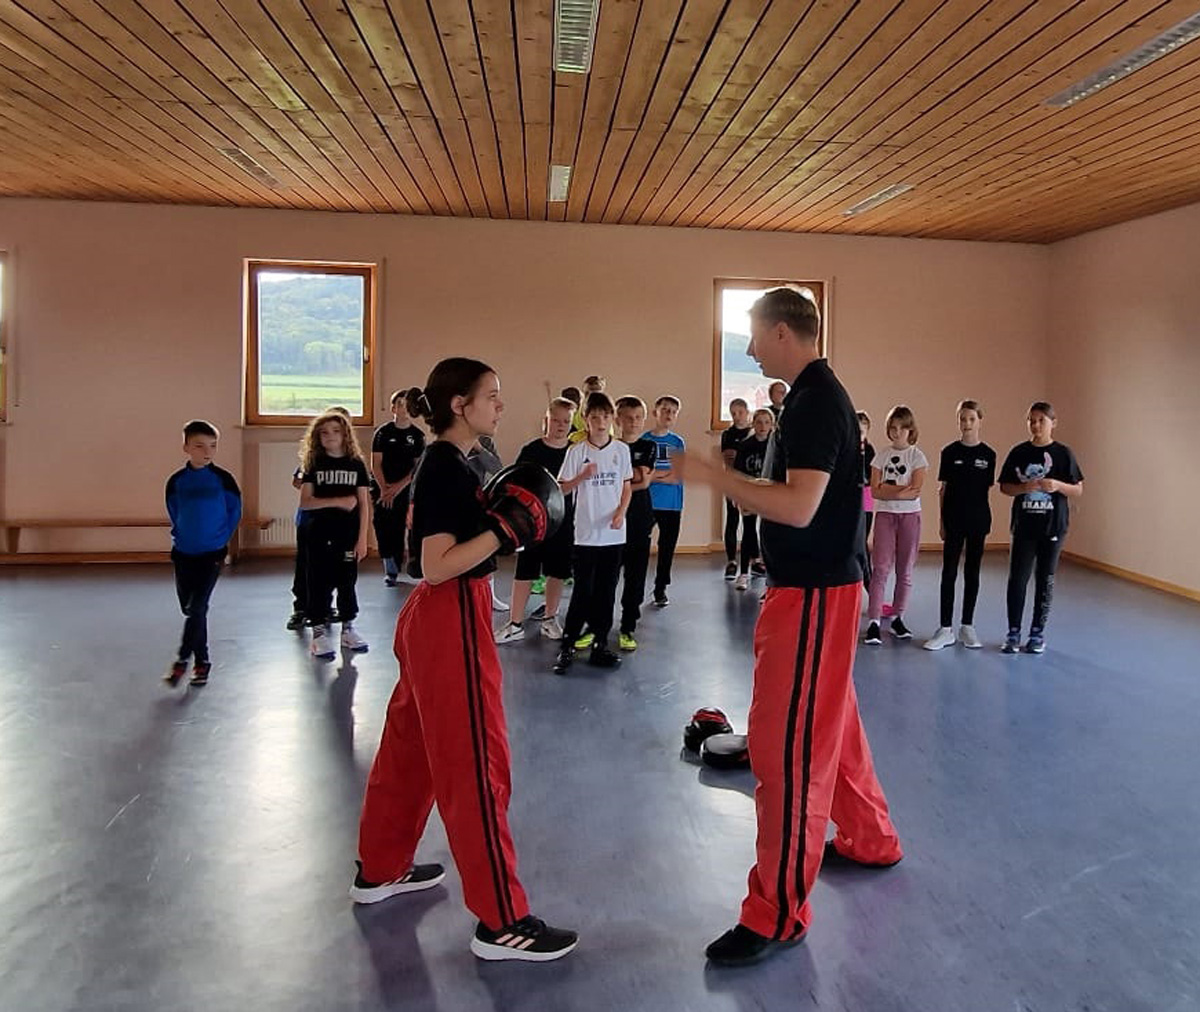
{"x":6,"y":289}
{"x":721,"y":285}
{"x":252,"y":268}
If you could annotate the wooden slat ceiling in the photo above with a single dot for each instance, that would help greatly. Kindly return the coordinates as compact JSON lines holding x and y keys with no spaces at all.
{"x":752,"y":114}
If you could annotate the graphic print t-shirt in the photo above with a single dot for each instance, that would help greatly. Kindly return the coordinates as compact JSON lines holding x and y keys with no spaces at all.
{"x":597,"y":498}
{"x":1040,"y":513}
{"x":968,"y":472}
{"x":332,"y":477}
{"x":896,"y":468}
{"x":665,"y":495}
{"x":750,"y":455}
{"x":401,"y":449}
{"x":733,"y":437}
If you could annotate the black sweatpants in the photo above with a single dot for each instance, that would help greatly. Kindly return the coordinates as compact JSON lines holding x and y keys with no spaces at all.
{"x":594,"y":594}
{"x":391,"y":524}
{"x":195,"y":578}
{"x":635,"y":560}
{"x":332,"y":566}
{"x":952,"y":550}
{"x":668,"y":522}
{"x":1037,"y":555}
{"x":300,"y":577}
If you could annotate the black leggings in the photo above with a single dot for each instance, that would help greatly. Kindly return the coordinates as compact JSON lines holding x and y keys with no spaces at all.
{"x":749,"y":524}
{"x":195,"y":577}
{"x":951,"y":552}
{"x":597,"y":570}
{"x":1037,"y":555}
{"x":390,"y":523}
{"x":635,"y":560}
{"x":668,"y":537}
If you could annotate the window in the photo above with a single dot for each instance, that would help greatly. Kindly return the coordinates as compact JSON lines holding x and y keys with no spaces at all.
{"x":5,"y":302}
{"x":310,"y":340}
{"x":736,"y":374}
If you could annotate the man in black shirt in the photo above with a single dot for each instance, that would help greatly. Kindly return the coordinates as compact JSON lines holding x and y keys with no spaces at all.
{"x":807,"y":745}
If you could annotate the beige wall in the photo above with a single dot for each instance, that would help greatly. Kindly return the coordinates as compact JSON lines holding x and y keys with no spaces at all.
{"x":128,"y":320}
{"x":1124,"y":369}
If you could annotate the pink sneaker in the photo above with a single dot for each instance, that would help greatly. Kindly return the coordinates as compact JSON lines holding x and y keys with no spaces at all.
{"x":888,"y":611}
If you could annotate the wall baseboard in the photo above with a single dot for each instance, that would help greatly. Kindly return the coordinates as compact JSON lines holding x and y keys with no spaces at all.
{"x":1141,"y":579}
{"x":79,"y":558}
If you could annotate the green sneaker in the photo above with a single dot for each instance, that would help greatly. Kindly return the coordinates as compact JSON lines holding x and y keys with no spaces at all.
{"x":585,"y":641}
{"x":626,"y":642}
{"x":538,"y":586}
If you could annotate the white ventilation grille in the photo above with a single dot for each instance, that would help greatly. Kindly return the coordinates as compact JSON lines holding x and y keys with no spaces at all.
{"x":1168,"y":42}
{"x":574,"y":35}
{"x":882,"y":197}
{"x":560,"y":182}
{"x":248,"y":164}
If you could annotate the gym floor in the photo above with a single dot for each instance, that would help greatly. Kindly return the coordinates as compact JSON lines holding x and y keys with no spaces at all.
{"x":191,"y":849}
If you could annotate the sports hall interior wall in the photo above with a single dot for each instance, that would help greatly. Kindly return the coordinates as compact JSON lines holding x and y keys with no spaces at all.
{"x":1124,"y":369}
{"x":127,"y":320}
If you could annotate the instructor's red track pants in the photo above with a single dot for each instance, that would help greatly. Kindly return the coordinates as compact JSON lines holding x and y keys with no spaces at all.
{"x":445,"y":740}
{"x":809,"y":754}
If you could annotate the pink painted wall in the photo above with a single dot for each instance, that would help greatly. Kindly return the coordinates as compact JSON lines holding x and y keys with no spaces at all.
{"x":128,"y":320}
{"x":1124,"y":366}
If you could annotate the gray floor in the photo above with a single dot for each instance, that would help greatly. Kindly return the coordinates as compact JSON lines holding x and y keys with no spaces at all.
{"x":191,"y":850}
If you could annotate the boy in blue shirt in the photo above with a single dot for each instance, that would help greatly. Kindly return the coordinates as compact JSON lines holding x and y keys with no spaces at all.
{"x":205,"y":507}
{"x":666,"y":491}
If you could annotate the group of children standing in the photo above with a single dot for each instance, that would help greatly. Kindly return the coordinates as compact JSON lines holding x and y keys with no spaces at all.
{"x":1040,"y":475}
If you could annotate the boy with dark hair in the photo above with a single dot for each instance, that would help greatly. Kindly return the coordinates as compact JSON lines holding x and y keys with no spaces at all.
{"x":666,"y":491}
{"x":395,"y":450}
{"x":639,"y":518}
{"x":205,"y":507}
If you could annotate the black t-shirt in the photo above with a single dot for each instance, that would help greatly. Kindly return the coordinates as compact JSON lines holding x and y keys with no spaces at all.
{"x":332,"y":477}
{"x":640,"y":515}
{"x":968,"y":472}
{"x":550,"y":457}
{"x":448,"y":499}
{"x":401,"y":449}
{"x":750,"y":456}
{"x":1040,"y":513}
{"x":733,"y":437}
{"x":868,"y":452}
{"x":818,"y":430}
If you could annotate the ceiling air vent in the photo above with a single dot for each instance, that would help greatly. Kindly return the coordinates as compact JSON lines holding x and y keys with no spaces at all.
{"x":560,"y":182}
{"x":574,"y":35}
{"x":247,"y":164}
{"x":1143,"y":56}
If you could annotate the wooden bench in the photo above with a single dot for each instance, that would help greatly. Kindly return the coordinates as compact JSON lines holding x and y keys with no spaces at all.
{"x":13,"y":528}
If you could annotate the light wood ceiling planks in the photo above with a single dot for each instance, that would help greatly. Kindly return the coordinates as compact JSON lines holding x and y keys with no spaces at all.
{"x":752,"y":114}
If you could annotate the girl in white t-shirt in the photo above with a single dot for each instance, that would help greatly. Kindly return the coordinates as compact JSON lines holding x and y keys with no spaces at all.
{"x":897,"y":474}
{"x":598,"y":471}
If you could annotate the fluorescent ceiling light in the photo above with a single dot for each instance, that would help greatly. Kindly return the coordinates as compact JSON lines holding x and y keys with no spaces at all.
{"x":560,"y":181}
{"x":574,"y":35}
{"x":248,"y":164}
{"x":877,"y":198}
{"x":1143,"y":56}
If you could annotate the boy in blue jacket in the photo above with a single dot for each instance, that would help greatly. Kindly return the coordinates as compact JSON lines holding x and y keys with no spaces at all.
{"x":205,"y":506}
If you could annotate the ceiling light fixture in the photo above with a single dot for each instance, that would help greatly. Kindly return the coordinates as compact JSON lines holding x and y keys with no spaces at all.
{"x":1168,"y":42}
{"x":574,"y":35}
{"x":560,"y":182}
{"x":882,"y":197}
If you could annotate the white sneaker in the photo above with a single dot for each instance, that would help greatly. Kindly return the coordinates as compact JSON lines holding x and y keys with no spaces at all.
{"x":498,"y":605}
{"x":322,"y":644}
{"x":352,"y":641}
{"x":944,"y":637}
{"x":511,"y":632}
{"x":551,"y":629}
{"x":742,"y":582}
{"x":969,"y":637}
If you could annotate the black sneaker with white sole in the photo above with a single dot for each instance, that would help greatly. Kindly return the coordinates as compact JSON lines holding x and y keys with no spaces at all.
{"x":740,"y":946}
{"x":417,"y":878}
{"x":900,"y":630}
{"x":873,"y":636}
{"x":529,"y":939}
{"x":834,"y":858}
{"x":660,"y":599}
{"x":539,"y":613}
{"x":731,"y":571}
